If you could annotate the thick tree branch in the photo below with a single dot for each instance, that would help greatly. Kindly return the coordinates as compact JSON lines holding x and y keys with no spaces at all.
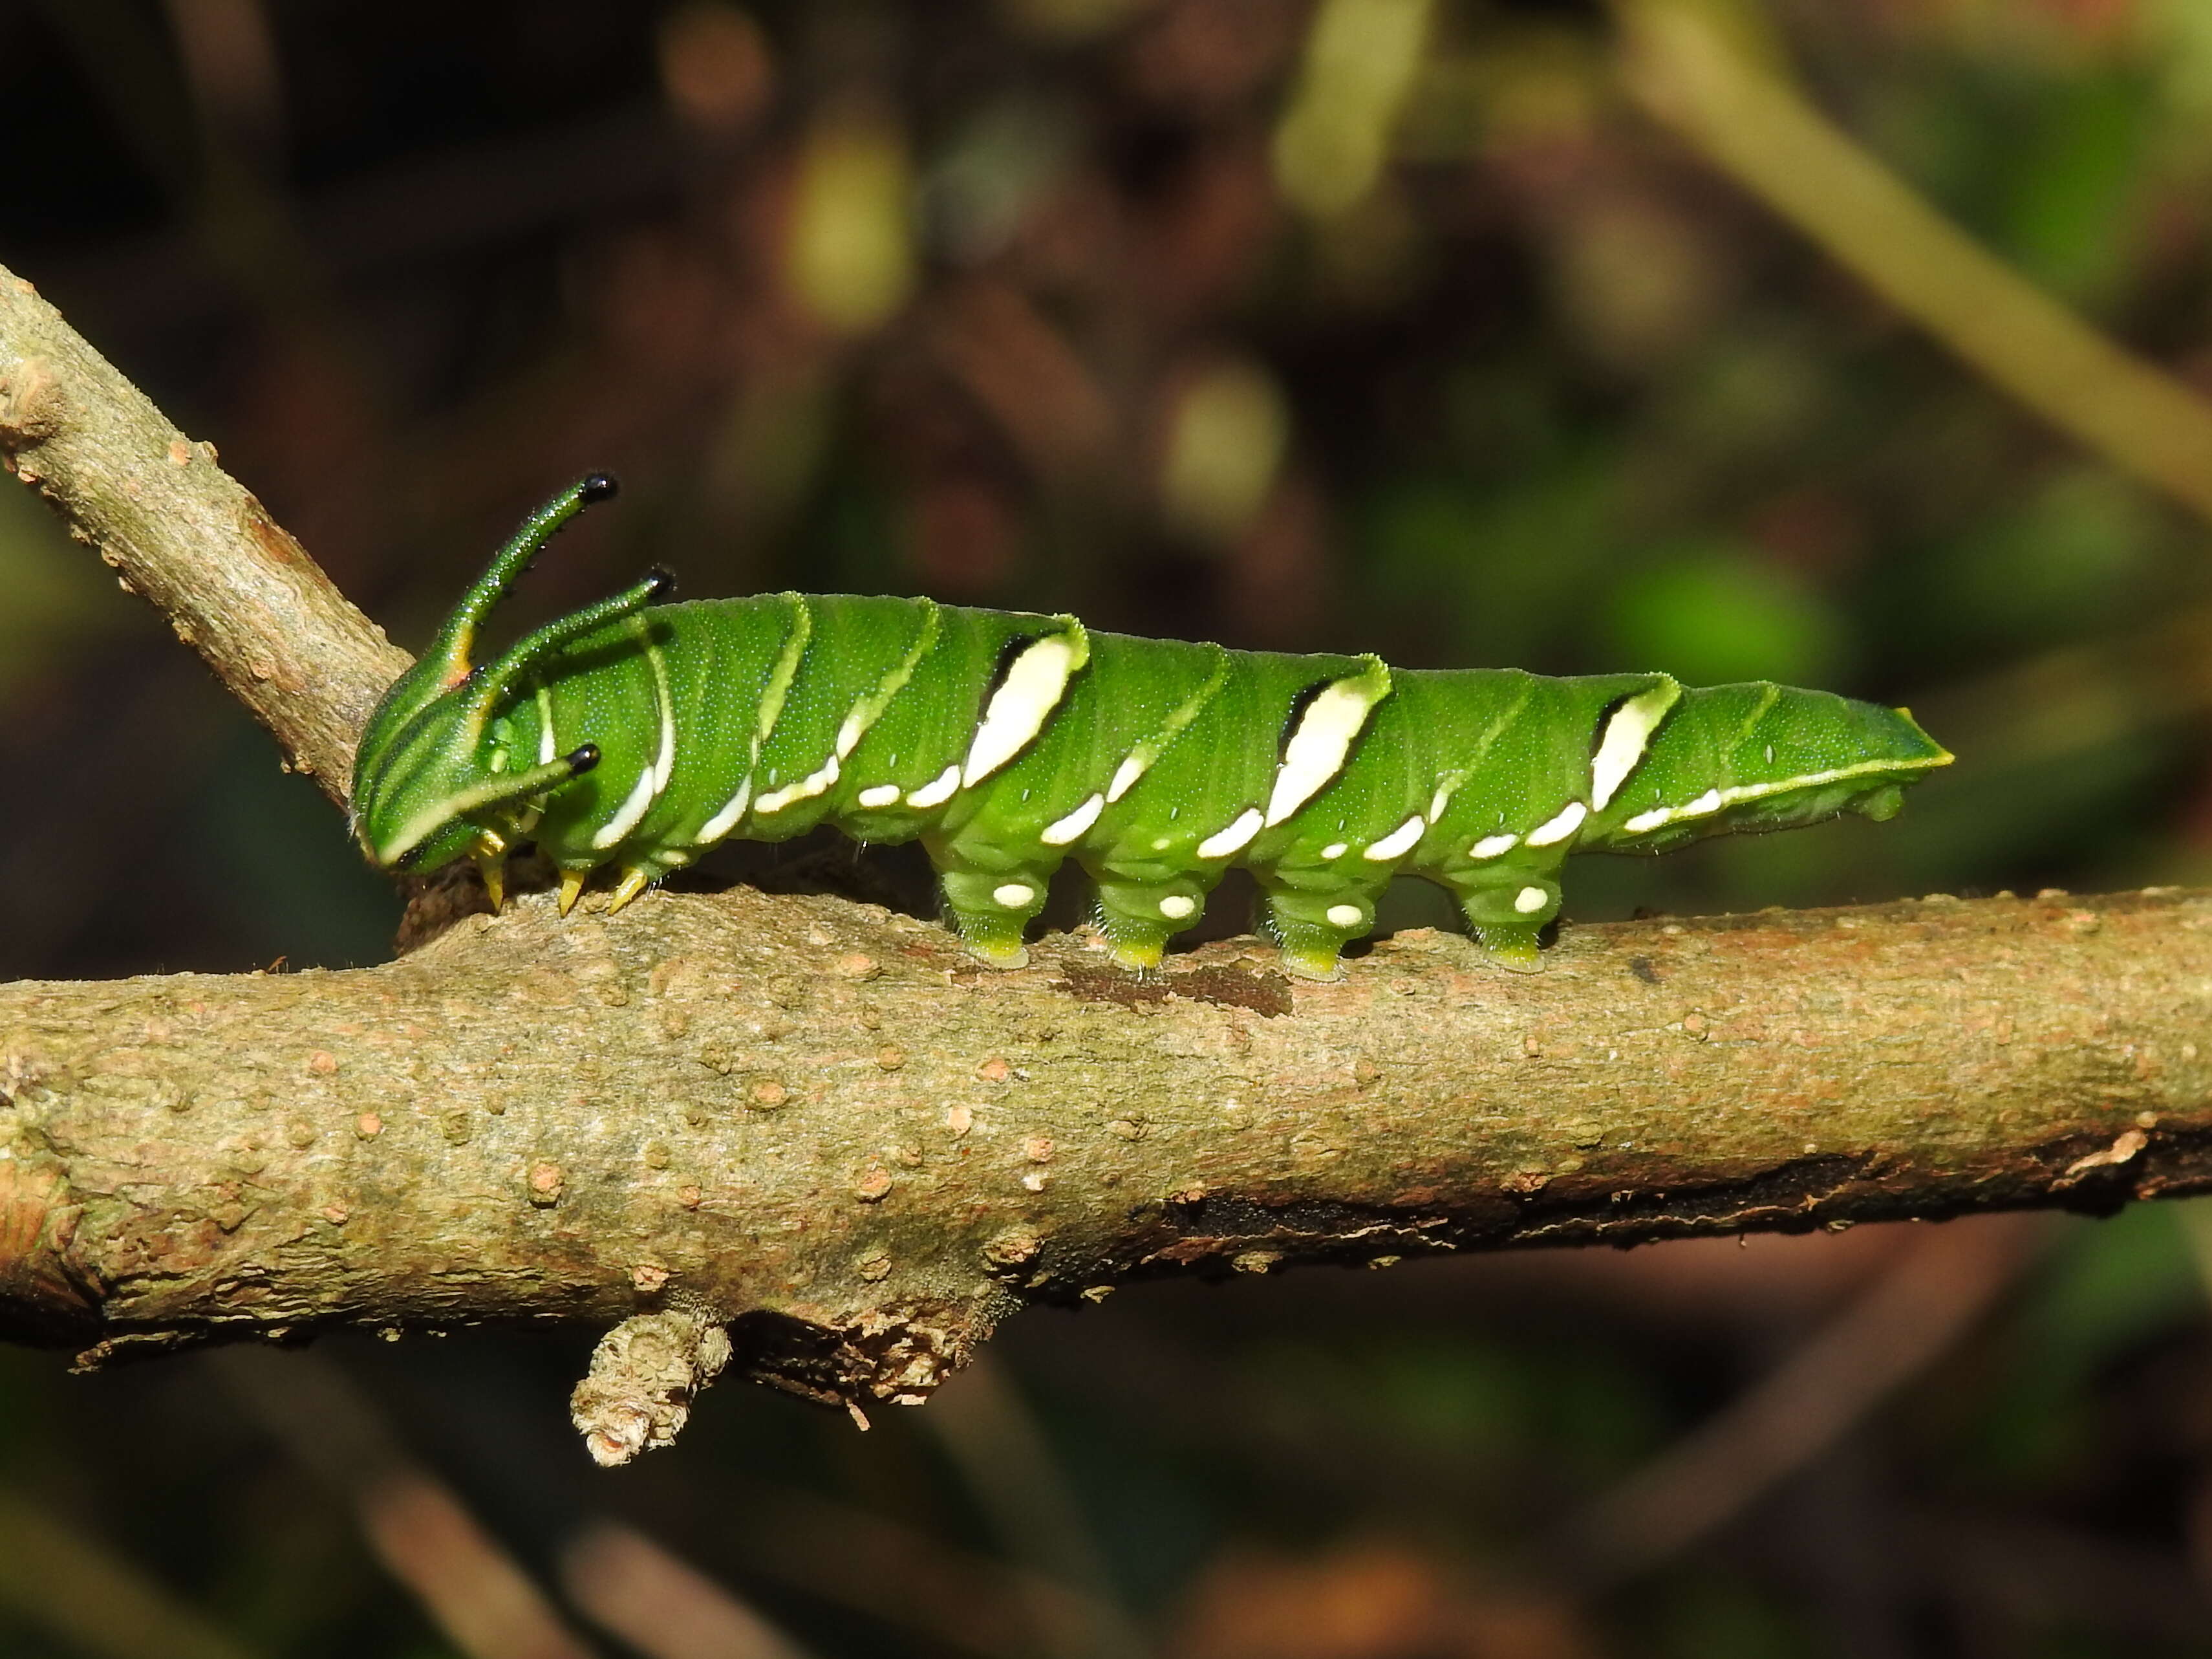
{"x":189,"y":536}
{"x":819,"y":1120}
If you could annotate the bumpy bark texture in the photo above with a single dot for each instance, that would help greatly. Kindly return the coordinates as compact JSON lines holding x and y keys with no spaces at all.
{"x":820,"y":1120}
{"x":182,"y":532}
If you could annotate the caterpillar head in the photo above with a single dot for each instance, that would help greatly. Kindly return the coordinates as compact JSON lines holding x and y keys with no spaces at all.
{"x":431,"y":779}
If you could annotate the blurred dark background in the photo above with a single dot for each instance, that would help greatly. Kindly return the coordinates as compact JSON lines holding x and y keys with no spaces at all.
{"x":1390,"y":324}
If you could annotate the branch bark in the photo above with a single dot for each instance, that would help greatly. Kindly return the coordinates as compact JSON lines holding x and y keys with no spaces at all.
{"x":820,"y":1121}
{"x":194,"y":541}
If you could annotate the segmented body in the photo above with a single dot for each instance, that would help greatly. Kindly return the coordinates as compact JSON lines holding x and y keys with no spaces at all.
{"x":1009,"y":742}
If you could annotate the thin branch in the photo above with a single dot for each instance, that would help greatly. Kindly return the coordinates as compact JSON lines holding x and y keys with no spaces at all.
{"x":417,"y":1527}
{"x":660,"y":1604}
{"x":1905,"y":1320}
{"x":194,"y":541}
{"x":1685,"y":65}
{"x":97,"y":1600}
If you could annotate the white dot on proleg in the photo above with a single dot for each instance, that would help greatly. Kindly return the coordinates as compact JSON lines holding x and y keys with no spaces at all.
{"x":1399,"y":842}
{"x":1346,"y":915}
{"x":1014,"y":895}
{"x":1177,"y":907}
{"x":1529,"y":900}
{"x":1336,"y":850}
{"x":1491,"y":845}
{"x":883,"y":795}
{"x":938,"y":790}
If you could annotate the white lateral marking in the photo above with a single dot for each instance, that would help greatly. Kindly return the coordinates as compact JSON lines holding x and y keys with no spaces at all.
{"x":883,"y":795}
{"x":1178,"y":908}
{"x":726,"y":820}
{"x":1529,"y":900}
{"x":863,"y":714}
{"x":641,"y":798}
{"x":654,"y":779}
{"x":1014,"y":895}
{"x":805,"y":789}
{"x":1399,"y":842}
{"x":1227,"y":842}
{"x":936,"y":792}
{"x":1032,"y":689}
{"x":1754,"y":791}
{"x":1335,"y":849}
{"x":1627,"y":733}
{"x":1713,"y":800}
{"x":548,"y":750}
{"x":1315,"y":751}
{"x":1491,"y":845}
{"x":1125,"y":777}
{"x":665,"y":762}
{"x":1346,"y":915}
{"x":1059,"y":835}
{"x":1570,"y":820}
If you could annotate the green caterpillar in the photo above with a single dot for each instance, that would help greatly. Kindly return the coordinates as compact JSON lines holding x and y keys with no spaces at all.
{"x":1007,"y":742}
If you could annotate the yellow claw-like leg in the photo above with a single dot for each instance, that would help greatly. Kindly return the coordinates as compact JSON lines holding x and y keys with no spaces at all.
{"x":635,"y":881}
{"x":489,"y":856}
{"x":572,"y":888}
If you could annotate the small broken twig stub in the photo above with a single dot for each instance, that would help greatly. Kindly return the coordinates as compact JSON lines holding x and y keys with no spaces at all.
{"x":644,"y":1374}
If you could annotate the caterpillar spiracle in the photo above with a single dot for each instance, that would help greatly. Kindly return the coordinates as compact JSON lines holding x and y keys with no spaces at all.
{"x":637,"y":735}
